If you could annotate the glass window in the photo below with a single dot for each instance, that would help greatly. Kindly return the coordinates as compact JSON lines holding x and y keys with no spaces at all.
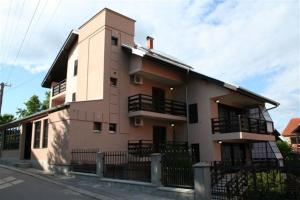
{"x":113,"y":81}
{"x":45,"y":134}
{"x":112,"y":127}
{"x":97,"y":126}
{"x":37,"y":134}
{"x":74,"y":97}
{"x":114,"y":41}
{"x":193,"y":113}
{"x":75,"y":67}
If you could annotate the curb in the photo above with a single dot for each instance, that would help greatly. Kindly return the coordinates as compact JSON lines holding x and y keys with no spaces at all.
{"x":74,"y":189}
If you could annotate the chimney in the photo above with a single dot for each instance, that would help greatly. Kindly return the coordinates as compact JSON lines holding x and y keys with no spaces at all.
{"x":150,"y":42}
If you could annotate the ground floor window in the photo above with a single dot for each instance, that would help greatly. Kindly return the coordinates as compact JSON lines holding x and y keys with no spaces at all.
{"x":37,"y":134}
{"x":45,"y":134}
{"x":10,"y":138}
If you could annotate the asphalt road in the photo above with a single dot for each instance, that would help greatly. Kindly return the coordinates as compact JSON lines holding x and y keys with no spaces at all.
{"x":17,"y":186}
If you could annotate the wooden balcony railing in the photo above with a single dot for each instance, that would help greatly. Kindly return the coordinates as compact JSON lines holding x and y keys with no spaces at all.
{"x":59,"y":88}
{"x":148,"y":103}
{"x":242,"y":124}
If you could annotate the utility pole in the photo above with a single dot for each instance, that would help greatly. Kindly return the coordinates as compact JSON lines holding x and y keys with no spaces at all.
{"x":2,"y":85}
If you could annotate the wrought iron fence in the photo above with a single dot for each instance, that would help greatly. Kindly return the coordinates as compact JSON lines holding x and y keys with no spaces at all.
{"x":148,"y":103}
{"x":84,"y":160}
{"x":123,"y":165}
{"x":177,"y":169}
{"x":241,"y":124}
{"x":258,"y":181}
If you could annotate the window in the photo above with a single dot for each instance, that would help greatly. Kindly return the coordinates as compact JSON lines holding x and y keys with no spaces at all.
{"x":193,"y":113}
{"x":74,"y":97}
{"x":37,"y":134}
{"x":113,"y":81}
{"x":97,"y":126}
{"x":112,"y":127}
{"x":75,"y":67}
{"x":114,"y":41}
{"x":45,"y":134}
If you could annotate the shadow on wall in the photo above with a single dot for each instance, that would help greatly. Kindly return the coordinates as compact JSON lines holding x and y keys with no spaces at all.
{"x":58,"y":150}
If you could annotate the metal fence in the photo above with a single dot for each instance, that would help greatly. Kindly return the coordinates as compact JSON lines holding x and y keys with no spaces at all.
{"x":256,"y":181}
{"x":123,"y":165}
{"x":84,"y":160}
{"x":177,"y":169}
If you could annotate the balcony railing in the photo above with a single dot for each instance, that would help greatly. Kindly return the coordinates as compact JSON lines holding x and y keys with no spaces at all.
{"x":144,"y":102}
{"x":242,"y":124}
{"x":59,"y":88}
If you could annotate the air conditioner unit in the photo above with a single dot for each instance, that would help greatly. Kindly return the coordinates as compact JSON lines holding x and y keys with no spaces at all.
{"x":137,"y":79}
{"x":138,"y":121}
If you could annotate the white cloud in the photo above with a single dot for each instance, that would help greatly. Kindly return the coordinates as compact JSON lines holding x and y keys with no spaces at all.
{"x":231,"y":40}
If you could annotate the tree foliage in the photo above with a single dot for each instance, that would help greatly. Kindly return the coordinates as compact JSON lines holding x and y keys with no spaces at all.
{"x":34,"y":105}
{"x":5,"y":118}
{"x":284,"y":148}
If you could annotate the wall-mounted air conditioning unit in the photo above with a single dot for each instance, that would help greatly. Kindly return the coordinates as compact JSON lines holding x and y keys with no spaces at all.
{"x":138,"y":121}
{"x":137,"y":79}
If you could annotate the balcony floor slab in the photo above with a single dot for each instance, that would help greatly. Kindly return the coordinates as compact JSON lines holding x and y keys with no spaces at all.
{"x":155,"y":115}
{"x":234,"y":136}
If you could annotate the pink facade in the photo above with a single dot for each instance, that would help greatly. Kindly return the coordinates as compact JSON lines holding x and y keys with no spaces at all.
{"x":107,"y":91}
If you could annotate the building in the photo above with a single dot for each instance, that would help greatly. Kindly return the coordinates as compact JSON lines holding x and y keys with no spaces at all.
{"x":292,"y":133}
{"x":106,"y":92}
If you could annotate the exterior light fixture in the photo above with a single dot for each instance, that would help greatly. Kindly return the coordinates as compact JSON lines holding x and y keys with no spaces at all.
{"x":220,"y":142}
{"x":172,"y":124}
{"x":217,"y":101}
{"x":171,"y":88}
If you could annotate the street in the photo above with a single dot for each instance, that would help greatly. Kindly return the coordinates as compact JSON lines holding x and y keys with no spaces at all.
{"x":16,"y":186}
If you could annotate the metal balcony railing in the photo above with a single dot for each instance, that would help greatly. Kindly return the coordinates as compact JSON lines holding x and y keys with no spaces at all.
{"x":148,"y":103}
{"x":242,"y":123}
{"x":59,"y":88}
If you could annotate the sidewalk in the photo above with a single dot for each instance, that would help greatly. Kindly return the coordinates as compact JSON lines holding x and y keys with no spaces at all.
{"x":88,"y":185}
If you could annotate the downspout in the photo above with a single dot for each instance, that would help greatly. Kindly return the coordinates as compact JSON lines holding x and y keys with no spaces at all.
{"x":186,"y":102}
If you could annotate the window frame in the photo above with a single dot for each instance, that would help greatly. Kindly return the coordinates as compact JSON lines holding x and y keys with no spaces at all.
{"x":114,"y":41}
{"x":45,"y":133}
{"x":112,"y":125}
{"x":193,"y":113}
{"x":37,"y":136}
{"x":75,"y":69}
{"x":95,"y":124}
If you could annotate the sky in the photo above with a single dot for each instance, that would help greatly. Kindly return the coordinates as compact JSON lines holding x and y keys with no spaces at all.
{"x":253,"y":44}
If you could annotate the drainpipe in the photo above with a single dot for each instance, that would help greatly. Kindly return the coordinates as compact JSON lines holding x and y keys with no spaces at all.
{"x":186,"y":102}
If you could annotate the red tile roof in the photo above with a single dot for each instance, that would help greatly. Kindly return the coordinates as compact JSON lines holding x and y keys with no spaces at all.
{"x":293,"y":124}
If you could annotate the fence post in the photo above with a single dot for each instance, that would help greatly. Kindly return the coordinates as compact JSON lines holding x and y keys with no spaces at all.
{"x":99,"y":164}
{"x":202,"y":180}
{"x":156,"y":169}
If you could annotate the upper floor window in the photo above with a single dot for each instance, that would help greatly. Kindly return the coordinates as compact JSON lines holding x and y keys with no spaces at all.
{"x":97,"y":127}
{"x":113,"y":81}
{"x":193,"y":113}
{"x":114,"y":41}
{"x":45,"y":134}
{"x":112,"y":127}
{"x":74,"y":96}
{"x":37,"y":134}
{"x":75,"y":67}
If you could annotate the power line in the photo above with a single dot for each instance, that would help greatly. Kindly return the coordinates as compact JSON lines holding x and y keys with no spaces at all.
{"x":24,"y":38}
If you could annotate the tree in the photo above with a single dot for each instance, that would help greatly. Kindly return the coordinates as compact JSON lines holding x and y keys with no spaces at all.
{"x":284,"y":148}
{"x":34,"y":105}
{"x":45,"y":105}
{"x":5,"y":118}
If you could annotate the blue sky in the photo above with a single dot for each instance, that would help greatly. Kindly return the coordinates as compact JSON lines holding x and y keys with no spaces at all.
{"x":255,"y":44}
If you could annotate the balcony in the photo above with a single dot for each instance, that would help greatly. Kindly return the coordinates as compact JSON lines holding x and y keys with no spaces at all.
{"x":147,"y":106}
{"x":242,"y":127}
{"x":59,"y":88}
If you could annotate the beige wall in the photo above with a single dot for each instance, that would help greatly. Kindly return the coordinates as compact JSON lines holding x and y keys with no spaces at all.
{"x":71,"y":79}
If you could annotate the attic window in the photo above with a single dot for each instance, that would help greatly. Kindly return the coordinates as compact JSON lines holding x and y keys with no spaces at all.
{"x":75,"y":67}
{"x":114,"y":41}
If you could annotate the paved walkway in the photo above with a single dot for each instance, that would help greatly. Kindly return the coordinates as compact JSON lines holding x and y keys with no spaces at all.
{"x":88,"y":186}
